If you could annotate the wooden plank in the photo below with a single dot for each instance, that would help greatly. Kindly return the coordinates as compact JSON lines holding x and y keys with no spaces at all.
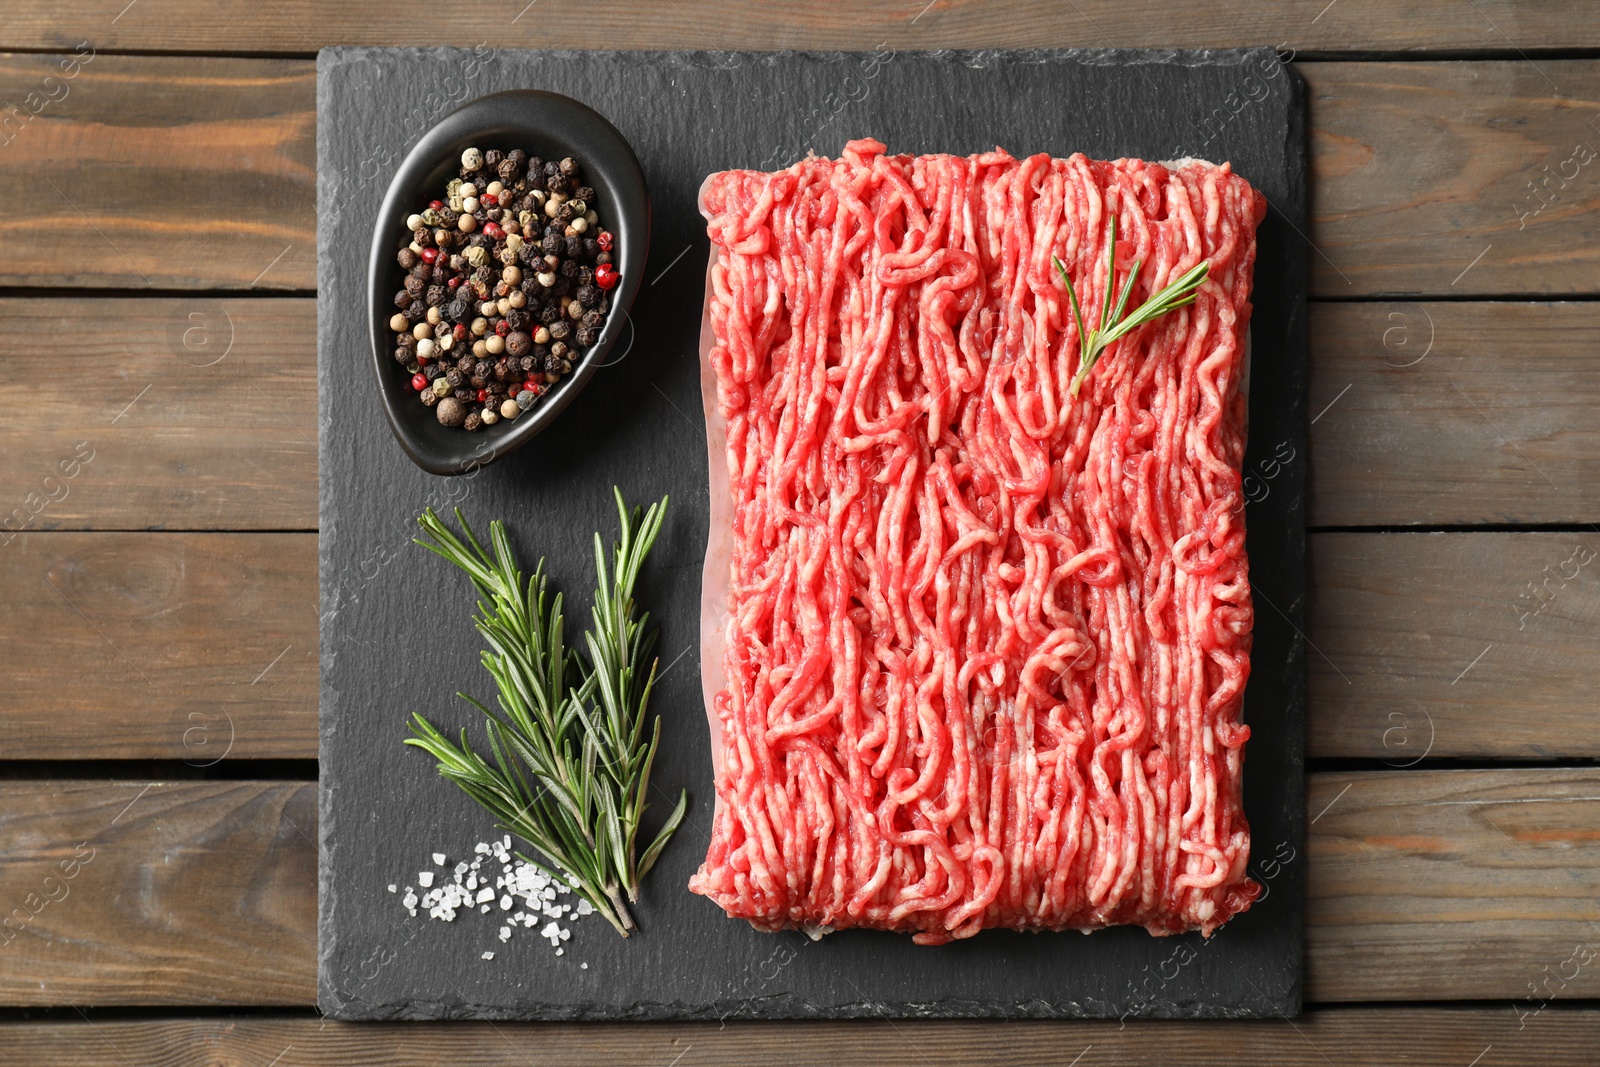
{"x":1420,"y":643}
{"x":188,"y":413}
{"x":1454,"y":885}
{"x":1440,"y":413}
{"x":158,"y":893}
{"x":1460,"y":178}
{"x":1478,"y":645}
{"x":1422,"y":885}
{"x":1454,"y":413}
{"x":158,"y":172}
{"x":199,"y":173}
{"x":305,"y":25}
{"x":188,"y":646}
{"x":1361,"y":1037}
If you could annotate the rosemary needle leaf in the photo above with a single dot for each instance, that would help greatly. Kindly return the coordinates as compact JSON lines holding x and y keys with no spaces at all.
{"x":571,"y":770}
{"x":1114,"y":325}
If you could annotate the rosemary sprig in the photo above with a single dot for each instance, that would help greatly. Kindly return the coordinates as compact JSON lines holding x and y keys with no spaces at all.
{"x":572,"y":760}
{"x":1113,"y":326}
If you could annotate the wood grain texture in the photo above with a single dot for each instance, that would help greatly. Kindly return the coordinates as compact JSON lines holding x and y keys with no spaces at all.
{"x":1454,"y":885}
{"x":1454,"y":413}
{"x":1358,"y":1037}
{"x":202,"y":414}
{"x":157,"y":893}
{"x":1463,"y":178}
{"x":199,"y":173}
{"x":1396,"y":621}
{"x":1455,"y":644}
{"x":305,"y":25}
{"x":133,"y":645}
{"x":151,"y":172}
{"x":1423,"y":885}
{"x":1439,"y":413}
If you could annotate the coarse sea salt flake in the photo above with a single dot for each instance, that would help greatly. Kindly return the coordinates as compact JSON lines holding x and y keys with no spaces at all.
{"x":488,"y":955}
{"x":425,"y":879}
{"x":485,"y":894}
{"x":438,"y":859}
{"x":391,"y":887}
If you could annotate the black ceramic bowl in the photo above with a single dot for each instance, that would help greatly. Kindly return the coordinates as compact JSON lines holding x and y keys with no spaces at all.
{"x":541,"y":124}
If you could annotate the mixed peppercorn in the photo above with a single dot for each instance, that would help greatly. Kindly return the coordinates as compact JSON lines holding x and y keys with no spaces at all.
{"x":507,"y":279}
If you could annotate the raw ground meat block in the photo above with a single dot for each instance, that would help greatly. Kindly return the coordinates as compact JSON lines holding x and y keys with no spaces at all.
{"x":975,"y":648}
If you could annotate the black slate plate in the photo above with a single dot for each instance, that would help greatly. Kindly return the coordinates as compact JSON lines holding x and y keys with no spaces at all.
{"x":548,"y":125}
{"x":395,"y":629}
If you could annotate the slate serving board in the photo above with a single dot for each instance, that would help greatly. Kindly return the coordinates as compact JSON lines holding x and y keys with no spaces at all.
{"x":396,"y":635}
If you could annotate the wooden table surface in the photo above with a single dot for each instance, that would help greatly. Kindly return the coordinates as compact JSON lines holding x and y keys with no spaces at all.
{"x":159,"y":490}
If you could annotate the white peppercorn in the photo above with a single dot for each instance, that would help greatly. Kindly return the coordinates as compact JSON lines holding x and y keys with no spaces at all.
{"x":466,"y":223}
{"x":472,"y":159}
{"x":502,"y":306}
{"x":489,"y":416}
{"x":479,"y":326}
{"x":421,"y":330}
{"x":426,"y":348}
{"x":494,"y":344}
{"x":580,"y":225}
{"x":509,"y":409}
{"x":541,"y":336}
{"x":399,"y":323}
{"x":518,"y":298}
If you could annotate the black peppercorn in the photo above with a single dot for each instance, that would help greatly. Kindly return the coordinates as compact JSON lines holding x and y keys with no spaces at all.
{"x":584,"y":193}
{"x":456,"y":310}
{"x":473,"y":421}
{"x":552,"y":244}
{"x":556,"y":184}
{"x":417,"y":311}
{"x":448,"y":217}
{"x":429,"y":398}
{"x":432,"y":371}
{"x":530,"y":364}
{"x":436,"y":295}
{"x":592,"y":318}
{"x":516,"y":319}
{"x":569,"y":166}
{"x":602,"y":257}
{"x":549,"y":313}
{"x":587,"y":335}
{"x":402,"y":299}
{"x":573,"y":246}
{"x":414,"y":287}
{"x":502,"y":370}
{"x":492,"y":158}
{"x":518,"y":343}
{"x":441,"y":274}
{"x":585,"y":276}
{"x":484,"y":275}
{"x":508,"y":170}
{"x":559,"y":329}
{"x":591,"y":248}
{"x":455,"y":378}
{"x":568,"y":269}
{"x":550,"y":364}
{"x":466,"y":394}
{"x":403,"y":356}
{"x":406,"y":258}
{"x":587,"y":295}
